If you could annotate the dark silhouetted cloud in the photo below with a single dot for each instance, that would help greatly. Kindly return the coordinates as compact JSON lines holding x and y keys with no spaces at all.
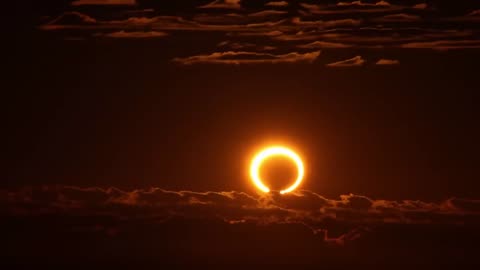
{"x":354,"y":213}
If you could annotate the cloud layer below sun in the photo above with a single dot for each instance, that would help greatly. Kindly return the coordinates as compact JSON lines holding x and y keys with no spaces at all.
{"x":283,"y":28}
{"x":355,"y":214}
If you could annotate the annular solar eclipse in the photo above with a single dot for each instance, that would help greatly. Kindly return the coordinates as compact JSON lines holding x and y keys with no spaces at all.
{"x":274,"y":151}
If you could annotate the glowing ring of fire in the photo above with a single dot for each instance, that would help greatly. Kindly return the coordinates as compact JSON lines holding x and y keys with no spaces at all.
{"x":275,"y":151}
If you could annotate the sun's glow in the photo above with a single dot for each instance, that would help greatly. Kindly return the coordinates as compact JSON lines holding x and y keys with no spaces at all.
{"x":271,"y":152}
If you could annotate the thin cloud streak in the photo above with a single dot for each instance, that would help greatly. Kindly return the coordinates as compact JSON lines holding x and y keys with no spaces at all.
{"x":277,"y":4}
{"x":324,"y":45}
{"x":352,"y":62}
{"x":387,"y":62}
{"x":401,"y":17}
{"x":444,"y":45}
{"x":362,"y":4}
{"x":223,"y":4}
{"x":135,"y":35}
{"x":236,"y":58}
{"x":349,"y":8}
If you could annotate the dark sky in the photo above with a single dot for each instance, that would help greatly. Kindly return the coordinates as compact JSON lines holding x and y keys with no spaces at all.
{"x":380,"y":99}
{"x":104,"y":113}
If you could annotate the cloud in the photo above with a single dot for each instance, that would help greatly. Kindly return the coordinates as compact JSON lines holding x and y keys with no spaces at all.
{"x":326,"y":24}
{"x":385,"y":36}
{"x":228,"y":18}
{"x":269,"y":34}
{"x":472,"y":16}
{"x":76,"y":20}
{"x":420,"y":6}
{"x":279,"y":28}
{"x":73,"y":18}
{"x":351,"y":213}
{"x":103,"y":2}
{"x":401,"y":17}
{"x":324,"y":45}
{"x":124,"y":34}
{"x":350,"y":8}
{"x":362,"y":4}
{"x":277,"y":4}
{"x":236,"y":58}
{"x":444,"y":45}
{"x":266,"y":13}
{"x":474,"y":13}
{"x":352,"y":62}
{"x":245,"y":45}
{"x":387,"y":62}
{"x":223,"y":4}
{"x":315,"y":9}
{"x":319,"y":34}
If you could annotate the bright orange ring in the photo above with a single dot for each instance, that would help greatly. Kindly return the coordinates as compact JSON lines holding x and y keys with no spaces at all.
{"x":275,"y":151}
